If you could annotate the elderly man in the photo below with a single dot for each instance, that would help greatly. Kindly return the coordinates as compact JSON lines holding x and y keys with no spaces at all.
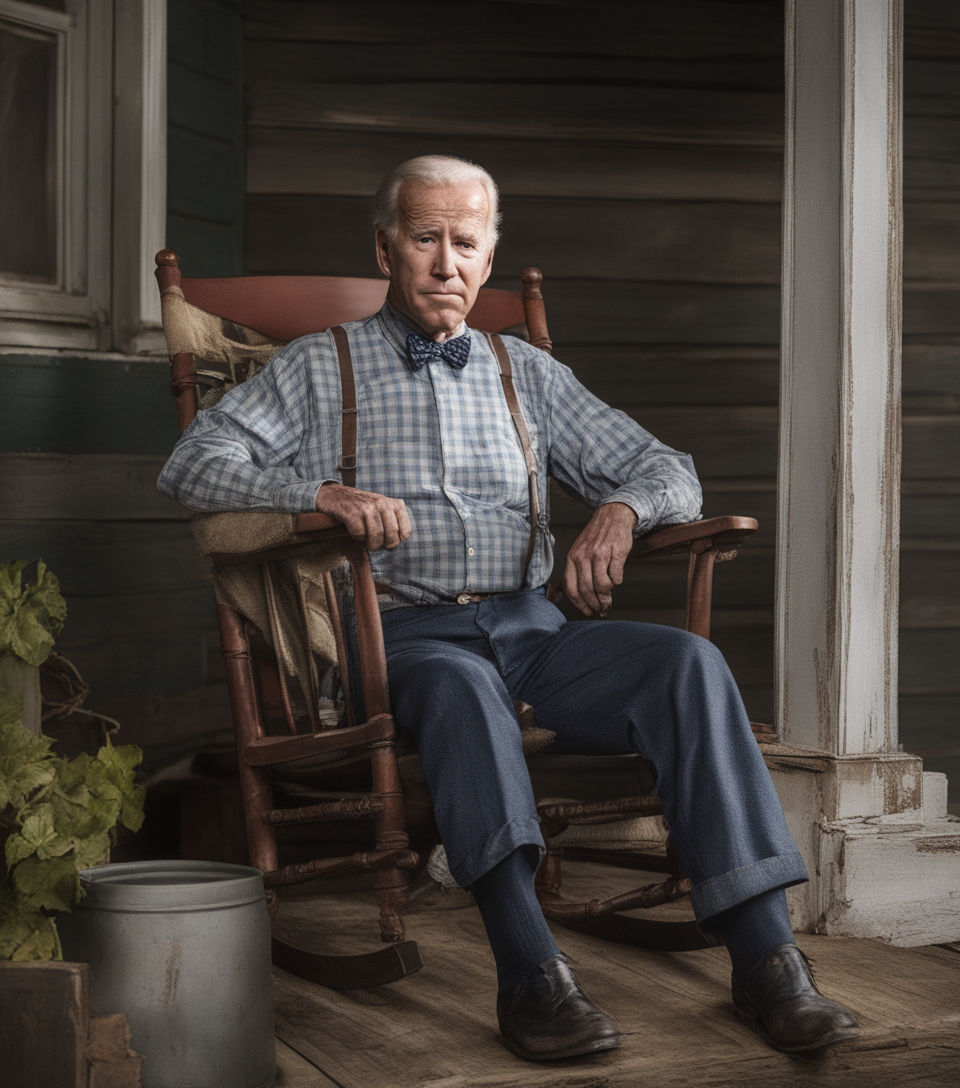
{"x":442,"y":503}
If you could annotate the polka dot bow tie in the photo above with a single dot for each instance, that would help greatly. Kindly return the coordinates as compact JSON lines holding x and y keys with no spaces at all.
{"x":420,"y":351}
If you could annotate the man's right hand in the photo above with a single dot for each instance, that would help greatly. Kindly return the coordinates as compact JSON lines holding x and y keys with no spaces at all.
{"x":374,"y":520}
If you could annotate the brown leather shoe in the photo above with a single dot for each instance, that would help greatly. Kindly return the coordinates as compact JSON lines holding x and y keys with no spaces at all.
{"x":548,"y":1016}
{"x":780,"y":999}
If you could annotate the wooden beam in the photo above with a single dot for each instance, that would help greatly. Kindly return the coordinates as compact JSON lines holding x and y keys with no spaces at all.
{"x":838,"y":523}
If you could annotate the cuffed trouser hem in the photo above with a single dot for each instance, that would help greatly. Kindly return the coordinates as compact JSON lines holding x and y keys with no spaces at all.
{"x":722,"y":892}
{"x":521,"y":831}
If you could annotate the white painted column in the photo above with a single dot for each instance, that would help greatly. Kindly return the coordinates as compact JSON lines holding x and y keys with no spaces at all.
{"x":839,"y":472}
{"x":882,"y":863}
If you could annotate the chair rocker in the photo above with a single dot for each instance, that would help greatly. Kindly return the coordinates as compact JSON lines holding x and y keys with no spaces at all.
{"x":280,"y":578}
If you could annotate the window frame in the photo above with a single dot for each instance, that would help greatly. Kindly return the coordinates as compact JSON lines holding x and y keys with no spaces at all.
{"x":110,"y":181}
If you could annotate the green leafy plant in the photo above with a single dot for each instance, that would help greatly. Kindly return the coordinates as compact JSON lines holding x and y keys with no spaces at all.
{"x":31,"y":616}
{"x":57,"y":815}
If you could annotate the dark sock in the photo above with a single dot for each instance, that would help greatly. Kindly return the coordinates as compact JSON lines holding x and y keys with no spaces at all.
{"x":516,"y":928}
{"x":752,"y":929}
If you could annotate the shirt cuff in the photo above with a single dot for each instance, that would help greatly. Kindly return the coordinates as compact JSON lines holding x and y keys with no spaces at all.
{"x":642,"y":508}
{"x":648,"y":512}
{"x":298,"y":498}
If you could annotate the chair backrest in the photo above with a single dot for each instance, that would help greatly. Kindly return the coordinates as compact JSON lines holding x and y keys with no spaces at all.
{"x":219,"y":331}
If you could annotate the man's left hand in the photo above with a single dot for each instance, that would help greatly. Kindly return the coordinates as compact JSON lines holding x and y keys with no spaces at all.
{"x":595,"y":562}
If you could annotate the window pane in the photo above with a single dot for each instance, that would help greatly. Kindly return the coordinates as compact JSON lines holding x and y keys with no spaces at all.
{"x":28,"y":67}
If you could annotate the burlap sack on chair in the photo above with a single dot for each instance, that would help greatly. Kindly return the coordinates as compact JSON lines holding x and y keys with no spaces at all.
{"x":225,"y":354}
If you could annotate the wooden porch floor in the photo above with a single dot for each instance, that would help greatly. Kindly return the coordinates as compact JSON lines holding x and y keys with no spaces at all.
{"x":437,"y":1028}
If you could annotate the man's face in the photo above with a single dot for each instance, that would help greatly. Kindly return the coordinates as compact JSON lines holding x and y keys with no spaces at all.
{"x":441,"y":256}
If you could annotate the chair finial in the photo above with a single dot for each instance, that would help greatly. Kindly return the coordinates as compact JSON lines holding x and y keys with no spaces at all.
{"x":167,"y":258}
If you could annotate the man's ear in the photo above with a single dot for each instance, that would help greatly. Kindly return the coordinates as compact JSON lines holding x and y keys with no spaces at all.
{"x":489,"y":268}
{"x":383,"y":250}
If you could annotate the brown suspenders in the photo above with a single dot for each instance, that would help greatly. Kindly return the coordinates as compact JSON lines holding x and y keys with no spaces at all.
{"x":348,"y":454}
{"x":516,"y":414}
{"x":348,"y":402}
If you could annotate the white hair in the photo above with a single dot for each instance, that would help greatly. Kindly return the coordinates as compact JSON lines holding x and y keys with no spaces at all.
{"x":433,"y":170}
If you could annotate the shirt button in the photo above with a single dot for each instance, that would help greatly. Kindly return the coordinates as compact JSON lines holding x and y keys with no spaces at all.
{"x":469,"y":551}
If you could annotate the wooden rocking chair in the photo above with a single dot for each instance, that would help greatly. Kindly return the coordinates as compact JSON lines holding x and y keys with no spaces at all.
{"x":219,"y":331}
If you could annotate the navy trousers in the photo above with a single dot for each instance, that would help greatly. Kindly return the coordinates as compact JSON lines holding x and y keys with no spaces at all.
{"x":602,"y":687}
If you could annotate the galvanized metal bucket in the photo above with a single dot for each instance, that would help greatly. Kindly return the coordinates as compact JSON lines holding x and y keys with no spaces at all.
{"x":182,"y":948}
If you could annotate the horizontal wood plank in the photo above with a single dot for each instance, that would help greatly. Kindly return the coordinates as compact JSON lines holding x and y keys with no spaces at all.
{"x":336,"y":163}
{"x":294,"y":1071}
{"x":931,"y":517}
{"x":524,"y":111}
{"x":212,"y":248}
{"x":205,"y":36}
{"x":83,"y":487}
{"x":931,"y":139}
{"x":69,"y":404}
{"x":109,"y":557}
{"x":931,"y":87}
{"x":202,"y":177}
{"x":133,"y":668}
{"x":931,"y":43}
{"x":932,"y":15}
{"x":930,"y":179}
{"x":928,"y":662}
{"x":709,"y":29}
{"x":739,"y":441}
{"x":680,"y":376}
{"x":931,"y":446}
{"x":928,"y":724}
{"x":931,"y":242}
{"x":930,"y":589}
{"x":205,"y":104}
{"x":269,"y":60}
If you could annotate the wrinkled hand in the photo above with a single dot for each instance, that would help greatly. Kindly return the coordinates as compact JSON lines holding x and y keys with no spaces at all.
{"x":374,"y":520}
{"x":595,"y":562}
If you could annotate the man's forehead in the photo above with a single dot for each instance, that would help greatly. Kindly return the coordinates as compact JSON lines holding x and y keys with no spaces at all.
{"x":468,"y":200}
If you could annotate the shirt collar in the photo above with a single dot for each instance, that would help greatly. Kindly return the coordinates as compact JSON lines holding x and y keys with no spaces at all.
{"x":395,"y":328}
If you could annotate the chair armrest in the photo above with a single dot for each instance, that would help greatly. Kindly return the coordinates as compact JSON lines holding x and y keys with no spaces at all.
{"x":245,"y":536}
{"x":705,"y":541}
{"x":314,"y":522}
{"x":725,"y":532}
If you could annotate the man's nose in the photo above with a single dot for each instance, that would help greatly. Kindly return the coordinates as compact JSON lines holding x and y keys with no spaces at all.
{"x":444,"y":267}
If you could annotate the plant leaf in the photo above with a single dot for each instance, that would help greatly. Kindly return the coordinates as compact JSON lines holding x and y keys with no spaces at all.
{"x":36,"y":836}
{"x":93,"y":850}
{"x":48,"y":883}
{"x":121,"y":762}
{"x":26,"y":761}
{"x":25,"y":933}
{"x":31,"y":616}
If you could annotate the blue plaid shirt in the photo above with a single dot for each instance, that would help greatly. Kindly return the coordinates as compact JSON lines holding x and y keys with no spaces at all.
{"x":442,"y":440}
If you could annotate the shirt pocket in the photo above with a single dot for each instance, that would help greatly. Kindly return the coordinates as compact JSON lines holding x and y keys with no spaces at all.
{"x":383,"y":408}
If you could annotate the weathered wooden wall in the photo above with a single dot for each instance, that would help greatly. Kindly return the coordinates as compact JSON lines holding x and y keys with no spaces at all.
{"x":205,"y":134}
{"x":930,"y":523}
{"x":639,"y":150}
